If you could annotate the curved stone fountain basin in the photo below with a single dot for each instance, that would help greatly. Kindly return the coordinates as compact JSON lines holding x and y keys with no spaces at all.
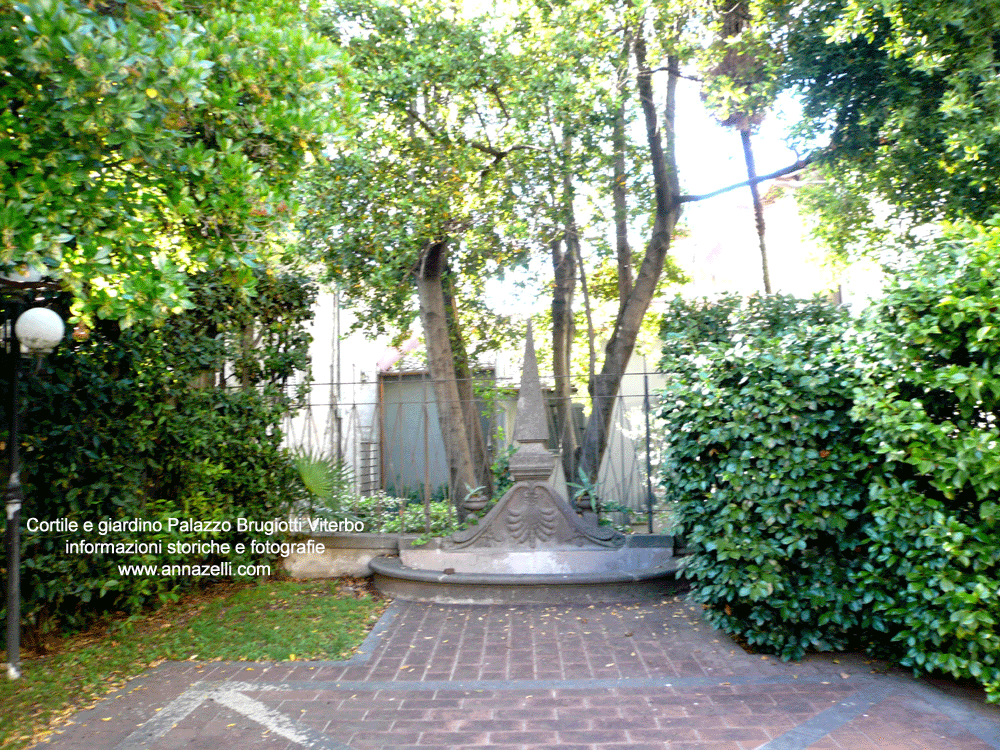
{"x":640,"y":552}
{"x":643,"y":569}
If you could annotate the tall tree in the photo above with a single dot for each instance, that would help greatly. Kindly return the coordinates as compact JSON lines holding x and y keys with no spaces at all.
{"x":739,"y":86}
{"x":583,"y":98}
{"x":652,"y":43}
{"x":640,"y":24}
{"x":421,"y":203}
{"x":479,"y":138}
{"x":560,"y":106}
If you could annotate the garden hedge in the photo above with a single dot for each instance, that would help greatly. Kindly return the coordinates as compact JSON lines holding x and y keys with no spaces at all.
{"x":763,"y":465}
{"x":930,"y":401}
{"x":838,"y":483}
{"x":138,"y":423}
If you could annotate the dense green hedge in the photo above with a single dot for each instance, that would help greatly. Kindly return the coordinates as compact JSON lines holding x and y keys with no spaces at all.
{"x":931,"y":403}
{"x":136,"y":423}
{"x":763,"y":465}
{"x":839,"y":485}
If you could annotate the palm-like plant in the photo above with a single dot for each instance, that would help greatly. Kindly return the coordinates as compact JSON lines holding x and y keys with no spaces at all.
{"x":328,"y":480}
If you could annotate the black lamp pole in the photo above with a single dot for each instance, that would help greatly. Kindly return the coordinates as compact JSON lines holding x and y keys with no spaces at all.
{"x":41,"y":337}
{"x":14,"y":497}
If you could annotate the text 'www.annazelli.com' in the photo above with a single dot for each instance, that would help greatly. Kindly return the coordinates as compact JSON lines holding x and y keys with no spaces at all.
{"x":219,"y":569}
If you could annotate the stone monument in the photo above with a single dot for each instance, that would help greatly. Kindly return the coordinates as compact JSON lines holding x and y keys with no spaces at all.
{"x":532,"y":546}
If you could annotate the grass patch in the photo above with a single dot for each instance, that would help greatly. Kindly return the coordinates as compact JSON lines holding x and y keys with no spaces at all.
{"x":274,"y":621}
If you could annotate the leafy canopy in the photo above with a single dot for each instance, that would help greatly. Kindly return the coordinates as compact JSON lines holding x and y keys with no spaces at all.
{"x":144,"y":141}
{"x":906,"y":94}
{"x":432,"y":162}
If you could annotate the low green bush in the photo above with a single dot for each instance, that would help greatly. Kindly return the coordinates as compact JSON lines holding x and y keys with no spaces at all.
{"x":380,"y":514}
{"x":765,"y":468}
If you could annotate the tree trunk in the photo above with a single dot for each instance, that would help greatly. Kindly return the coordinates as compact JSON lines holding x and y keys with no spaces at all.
{"x":563,"y":330}
{"x":440,"y":357}
{"x":464,"y":378}
{"x":572,"y":238}
{"x":623,"y":250}
{"x":667,"y":212}
{"x":247,"y":346}
{"x":758,"y":206}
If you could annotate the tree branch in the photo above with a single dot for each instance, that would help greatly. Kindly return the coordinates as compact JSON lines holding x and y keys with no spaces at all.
{"x":485,"y":148}
{"x":496,"y":95}
{"x":800,"y":164}
{"x":666,"y":69}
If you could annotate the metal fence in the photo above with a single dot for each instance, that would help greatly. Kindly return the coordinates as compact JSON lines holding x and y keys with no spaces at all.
{"x":386,"y":431}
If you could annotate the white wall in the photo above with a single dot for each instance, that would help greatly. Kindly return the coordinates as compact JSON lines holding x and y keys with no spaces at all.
{"x":341,"y":418}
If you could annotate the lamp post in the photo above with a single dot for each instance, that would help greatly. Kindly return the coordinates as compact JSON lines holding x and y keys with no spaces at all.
{"x":35,"y":332}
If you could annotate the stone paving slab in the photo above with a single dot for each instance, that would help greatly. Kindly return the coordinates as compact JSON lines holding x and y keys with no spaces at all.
{"x":599,"y":677}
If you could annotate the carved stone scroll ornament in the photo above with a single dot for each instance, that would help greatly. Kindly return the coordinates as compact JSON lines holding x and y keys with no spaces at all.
{"x":532,"y":516}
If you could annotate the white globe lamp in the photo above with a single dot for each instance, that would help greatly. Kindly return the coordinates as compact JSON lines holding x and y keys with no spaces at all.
{"x":39,"y":330}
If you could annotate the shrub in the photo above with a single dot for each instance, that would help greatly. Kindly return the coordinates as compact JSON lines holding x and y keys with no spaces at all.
{"x":931,"y":400}
{"x":765,"y":465}
{"x":328,"y":481}
{"x":176,"y":421}
{"x":380,"y":513}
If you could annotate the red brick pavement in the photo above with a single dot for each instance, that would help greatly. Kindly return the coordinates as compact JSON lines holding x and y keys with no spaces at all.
{"x":572,"y":677}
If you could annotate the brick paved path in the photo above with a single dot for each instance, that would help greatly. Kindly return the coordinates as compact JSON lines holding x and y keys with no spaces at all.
{"x":592,"y":677}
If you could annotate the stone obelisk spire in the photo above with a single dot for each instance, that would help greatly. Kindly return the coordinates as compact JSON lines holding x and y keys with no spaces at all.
{"x":531,"y":427}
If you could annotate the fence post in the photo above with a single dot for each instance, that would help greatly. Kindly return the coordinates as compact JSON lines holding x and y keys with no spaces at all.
{"x":649,"y":459}
{"x":427,"y":465}
{"x":380,"y":395}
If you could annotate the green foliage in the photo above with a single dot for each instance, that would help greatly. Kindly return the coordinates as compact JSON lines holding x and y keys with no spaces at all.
{"x":741,"y":65}
{"x":381,"y":515}
{"x":432,"y":165}
{"x":135,"y":424}
{"x":694,"y":328}
{"x":329,"y":481}
{"x":585,"y":490}
{"x":766,"y":468}
{"x":500,"y":469}
{"x":279,"y":621}
{"x":905,"y":93}
{"x":840,"y":487}
{"x":602,"y":282}
{"x":311,"y":620}
{"x":931,"y":400}
{"x":845,"y":217}
{"x":143,"y":142}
